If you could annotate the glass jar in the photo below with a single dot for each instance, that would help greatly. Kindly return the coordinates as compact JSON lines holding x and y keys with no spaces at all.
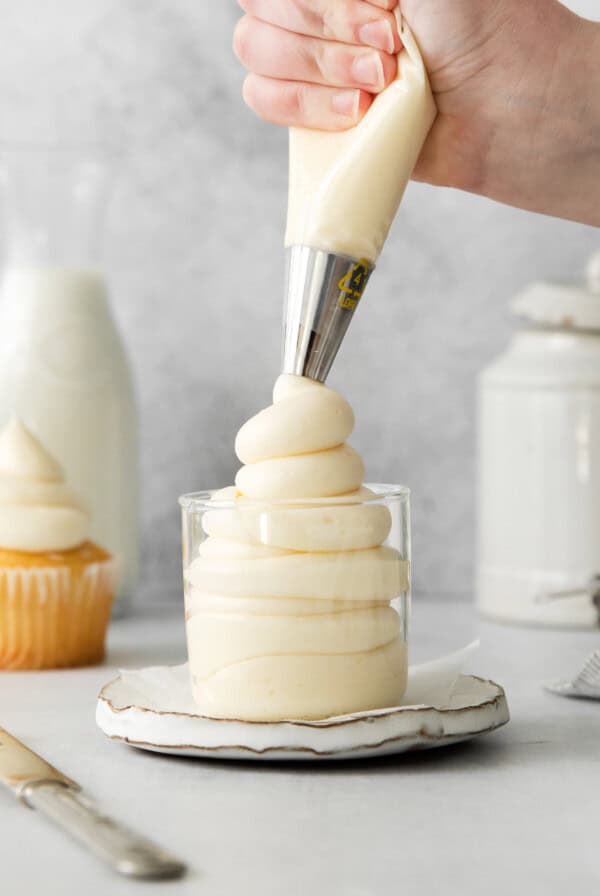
{"x":63,"y":365}
{"x":297,"y":610}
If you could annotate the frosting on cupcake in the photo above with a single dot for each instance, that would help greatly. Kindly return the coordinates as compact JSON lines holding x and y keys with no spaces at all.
{"x":38,"y":510}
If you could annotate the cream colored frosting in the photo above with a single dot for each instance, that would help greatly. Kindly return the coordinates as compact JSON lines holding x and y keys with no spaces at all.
{"x":38,"y":511}
{"x":345,"y":186}
{"x":288,"y":600}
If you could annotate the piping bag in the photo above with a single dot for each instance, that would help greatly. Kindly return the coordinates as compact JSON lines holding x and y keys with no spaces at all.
{"x":344,"y":191}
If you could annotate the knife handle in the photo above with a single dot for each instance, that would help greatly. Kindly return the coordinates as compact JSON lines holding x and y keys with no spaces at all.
{"x":125,"y":851}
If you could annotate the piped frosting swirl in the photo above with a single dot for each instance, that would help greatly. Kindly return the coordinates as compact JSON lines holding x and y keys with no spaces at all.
{"x":288,"y":602}
{"x":38,"y":510}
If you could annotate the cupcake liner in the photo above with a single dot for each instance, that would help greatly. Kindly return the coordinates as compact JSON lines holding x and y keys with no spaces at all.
{"x":52,"y":617}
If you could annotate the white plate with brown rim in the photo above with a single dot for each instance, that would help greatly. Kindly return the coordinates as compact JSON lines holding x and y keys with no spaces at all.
{"x":153,"y":709}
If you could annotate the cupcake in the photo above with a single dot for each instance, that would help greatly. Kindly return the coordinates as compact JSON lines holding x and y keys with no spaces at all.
{"x":56,"y":586}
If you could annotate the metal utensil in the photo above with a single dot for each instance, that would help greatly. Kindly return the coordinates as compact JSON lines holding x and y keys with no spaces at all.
{"x":40,"y":786}
{"x":586,"y":684}
{"x":322,"y":293}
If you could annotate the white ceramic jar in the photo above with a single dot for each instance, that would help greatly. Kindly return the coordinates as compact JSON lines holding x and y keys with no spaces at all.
{"x":538,"y":525}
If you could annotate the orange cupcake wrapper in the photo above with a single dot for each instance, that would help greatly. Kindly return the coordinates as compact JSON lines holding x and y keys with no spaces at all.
{"x":54,"y":617}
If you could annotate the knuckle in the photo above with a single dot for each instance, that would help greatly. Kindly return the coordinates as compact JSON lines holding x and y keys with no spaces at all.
{"x":341,"y":20}
{"x":328,"y":18}
{"x":246,"y":91}
{"x":295,"y":103}
{"x":321,"y":59}
{"x":332,"y":17}
{"x":354,"y":31}
{"x":311,"y":14}
{"x":335,"y":18}
{"x":303,"y":102}
{"x":249,"y":93}
{"x":241,"y":39}
{"x":291,"y":104}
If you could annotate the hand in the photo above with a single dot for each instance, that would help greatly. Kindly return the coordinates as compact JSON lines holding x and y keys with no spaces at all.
{"x":515,"y":83}
{"x":316,"y":63}
{"x":511,"y":81}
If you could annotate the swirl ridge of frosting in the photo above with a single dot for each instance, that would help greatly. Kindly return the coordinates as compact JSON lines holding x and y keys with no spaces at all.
{"x":288,"y":601}
{"x":39,"y":512}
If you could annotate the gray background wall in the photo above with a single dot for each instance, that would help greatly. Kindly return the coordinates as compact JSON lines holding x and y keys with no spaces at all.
{"x":196,"y":264}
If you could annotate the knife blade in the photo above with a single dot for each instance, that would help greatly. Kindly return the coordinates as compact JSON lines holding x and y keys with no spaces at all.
{"x":20,"y":766}
{"x":41,"y":786}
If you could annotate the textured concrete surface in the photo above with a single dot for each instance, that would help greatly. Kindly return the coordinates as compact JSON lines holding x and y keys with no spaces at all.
{"x":196,"y":265}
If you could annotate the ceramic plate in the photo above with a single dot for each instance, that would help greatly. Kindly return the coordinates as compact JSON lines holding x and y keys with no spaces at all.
{"x":153,"y":709}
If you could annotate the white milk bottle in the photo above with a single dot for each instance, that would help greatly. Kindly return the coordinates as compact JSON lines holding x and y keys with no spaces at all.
{"x":63,"y":366}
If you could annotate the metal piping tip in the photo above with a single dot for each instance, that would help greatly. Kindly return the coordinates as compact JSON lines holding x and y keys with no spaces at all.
{"x":322,"y":294}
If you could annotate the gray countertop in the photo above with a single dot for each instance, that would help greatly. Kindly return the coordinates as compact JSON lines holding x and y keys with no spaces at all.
{"x":513,"y":812}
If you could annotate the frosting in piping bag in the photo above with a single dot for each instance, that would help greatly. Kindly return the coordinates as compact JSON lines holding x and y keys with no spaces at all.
{"x":346,"y":186}
{"x":288,"y":600}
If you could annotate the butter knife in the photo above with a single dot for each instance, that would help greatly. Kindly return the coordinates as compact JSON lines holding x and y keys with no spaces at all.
{"x":40,"y":786}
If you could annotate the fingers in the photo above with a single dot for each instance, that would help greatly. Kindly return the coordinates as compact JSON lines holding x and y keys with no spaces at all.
{"x":347,"y":21}
{"x":310,"y":61}
{"x":273,"y":52}
{"x":295,"y":103}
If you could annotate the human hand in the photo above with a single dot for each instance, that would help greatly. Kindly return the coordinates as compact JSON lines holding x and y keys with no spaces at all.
{"x":316,"y":63}
{"x":514,"y":83}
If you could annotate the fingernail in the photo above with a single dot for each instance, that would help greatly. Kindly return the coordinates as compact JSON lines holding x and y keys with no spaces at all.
{"x":345,"y":102}
{"x":378,"y":34}
{"x":367,"y":69}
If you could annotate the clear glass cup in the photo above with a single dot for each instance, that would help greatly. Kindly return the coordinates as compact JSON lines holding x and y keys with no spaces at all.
{"x":297,"y":609}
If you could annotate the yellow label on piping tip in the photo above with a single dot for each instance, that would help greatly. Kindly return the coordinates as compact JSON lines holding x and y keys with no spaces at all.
{"x":352,"y":284}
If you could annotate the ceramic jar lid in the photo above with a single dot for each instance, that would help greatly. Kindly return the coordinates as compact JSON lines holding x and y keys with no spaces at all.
{"x":573,"y":306}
